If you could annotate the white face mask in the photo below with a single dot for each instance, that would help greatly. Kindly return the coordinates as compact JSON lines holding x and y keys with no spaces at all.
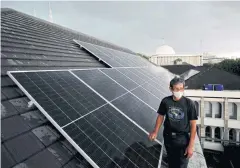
{"x":178,"y":95}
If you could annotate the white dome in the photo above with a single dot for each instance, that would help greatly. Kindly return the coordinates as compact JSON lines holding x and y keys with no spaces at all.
{"x":165,"y":50}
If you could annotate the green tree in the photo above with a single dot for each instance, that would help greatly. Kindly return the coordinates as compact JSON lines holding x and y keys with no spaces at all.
{"x":177,"y":60}
{"x":230,"y":65}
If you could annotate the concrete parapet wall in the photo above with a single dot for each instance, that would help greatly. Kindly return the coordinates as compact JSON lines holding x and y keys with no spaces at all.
{"x":198,"y":159}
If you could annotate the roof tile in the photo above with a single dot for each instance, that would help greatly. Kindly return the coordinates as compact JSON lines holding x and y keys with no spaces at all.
{"x":21,"y":165}
{"x":34,"y":118}
{"x":43,"y":159}
{"x":29,"y":146}
{"x":3,"y":97}
{"x":6,"y":81}
{"x":7,"y":109}
{"x":46,"y":135}
{"x":21,"y":104}
{"x":82,"y":160}
{"x":60,"y":152}
{"x":20,"y":92}
{"x":10,"y":92}
{"x":69,"y":146}
{"x":76,"y":163}
{"x":7,"y":160}
{"x":13,"y":126}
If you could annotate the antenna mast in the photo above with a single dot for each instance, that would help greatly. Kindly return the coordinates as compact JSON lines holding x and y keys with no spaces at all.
{"x":50,"y":13}
{"x":34,"y":12}
{"x":163,"y":41}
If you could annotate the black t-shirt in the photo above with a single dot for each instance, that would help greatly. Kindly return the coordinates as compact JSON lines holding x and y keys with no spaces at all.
{"x":178,"y":114}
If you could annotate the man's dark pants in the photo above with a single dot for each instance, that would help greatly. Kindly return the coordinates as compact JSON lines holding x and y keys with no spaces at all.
{"x":176,"y":146}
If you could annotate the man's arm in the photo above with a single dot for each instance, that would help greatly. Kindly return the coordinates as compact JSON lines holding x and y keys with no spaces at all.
{"x":161,"y":112}
{"x":158,"y":124}
{"x":189,"y":149}
{"x":193,"y":125}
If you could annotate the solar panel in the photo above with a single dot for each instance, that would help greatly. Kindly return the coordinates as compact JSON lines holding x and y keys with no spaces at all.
{"x":147,"y":97}
{"x":138,"y":103}
{"x":113,"y":141}
{"x":140,"y":74}
{"x":101,"y":83}
{"x":104,"y":134}
{"x":154,"y":90}
{"x":114,"y":58}
{"x":120,"y":78}
{"x":60,"y":94}
{"x":127,"y":72}
{"x":137,"y":110}
{"x":101,"y":55}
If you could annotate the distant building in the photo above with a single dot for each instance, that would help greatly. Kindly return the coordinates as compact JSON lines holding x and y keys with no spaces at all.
{"x":165,"y":55}
{"x":211,"y":59}
{"x":219,"y":117}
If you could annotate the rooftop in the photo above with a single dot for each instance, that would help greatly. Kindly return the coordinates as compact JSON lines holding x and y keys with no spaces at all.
{"x":29,"y":43}
{"x":211,"y":75}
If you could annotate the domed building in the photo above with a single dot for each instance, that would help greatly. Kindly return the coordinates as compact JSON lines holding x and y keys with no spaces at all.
{"x":165,"y":50}
{"x":165,"y":55}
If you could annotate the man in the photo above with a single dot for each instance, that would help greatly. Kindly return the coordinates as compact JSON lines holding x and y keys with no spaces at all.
{"x":180,"y":119}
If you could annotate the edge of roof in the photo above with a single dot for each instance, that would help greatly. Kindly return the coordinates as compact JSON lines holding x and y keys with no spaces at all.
{"x":66,"y":28}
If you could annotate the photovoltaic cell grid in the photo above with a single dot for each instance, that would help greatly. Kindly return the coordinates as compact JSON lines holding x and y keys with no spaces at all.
{"x":138,"y":98}
{"x":101,"y":131}
{"x":111,"y":140}
{"x":114,"y":58}
{"x":113,"y":82}
{"x":60,"y":94}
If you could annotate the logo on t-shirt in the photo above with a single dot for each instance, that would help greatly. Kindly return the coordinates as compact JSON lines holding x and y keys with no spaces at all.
{"x":175,"y":113}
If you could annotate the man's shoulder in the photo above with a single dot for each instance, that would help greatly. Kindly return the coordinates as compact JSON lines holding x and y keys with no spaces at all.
{"x":167,"y":98}
{"x":189,"y":100}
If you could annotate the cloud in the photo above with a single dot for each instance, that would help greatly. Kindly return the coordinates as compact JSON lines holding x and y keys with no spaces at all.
{"x":141,"y":26}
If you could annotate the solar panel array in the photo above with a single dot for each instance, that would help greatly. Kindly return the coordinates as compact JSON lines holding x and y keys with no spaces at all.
{"x":98,"y":114}
{"x":105,"y":113}
{"x":114,"y":58}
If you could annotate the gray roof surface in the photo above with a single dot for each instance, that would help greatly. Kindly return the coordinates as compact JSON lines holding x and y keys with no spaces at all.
{"x":212,"y":75}
{"x":178,"y":69}
{"x":28,"y":138}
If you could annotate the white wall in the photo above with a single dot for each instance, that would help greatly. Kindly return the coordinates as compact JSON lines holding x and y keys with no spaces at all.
{"x":195,"y":60}
{"x":215,"y":104}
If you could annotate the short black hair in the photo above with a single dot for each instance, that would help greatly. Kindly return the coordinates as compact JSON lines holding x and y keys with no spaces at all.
{"x":176,"y":80}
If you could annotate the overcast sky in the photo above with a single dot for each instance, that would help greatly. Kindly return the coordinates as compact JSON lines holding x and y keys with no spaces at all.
{"x":140,"y":26}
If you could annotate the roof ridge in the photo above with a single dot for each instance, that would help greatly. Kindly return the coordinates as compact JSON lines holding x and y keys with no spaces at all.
{"x":201,"y":73}
{"x":7,"y":9}
{"x":69,"y":30}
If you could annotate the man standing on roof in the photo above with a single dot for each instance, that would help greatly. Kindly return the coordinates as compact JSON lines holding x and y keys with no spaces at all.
{"x":179,"y":125}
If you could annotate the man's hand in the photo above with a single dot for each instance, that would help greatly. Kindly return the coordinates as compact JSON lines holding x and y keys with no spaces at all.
{"x":152,"y":136}
{"x":189,"y":151}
